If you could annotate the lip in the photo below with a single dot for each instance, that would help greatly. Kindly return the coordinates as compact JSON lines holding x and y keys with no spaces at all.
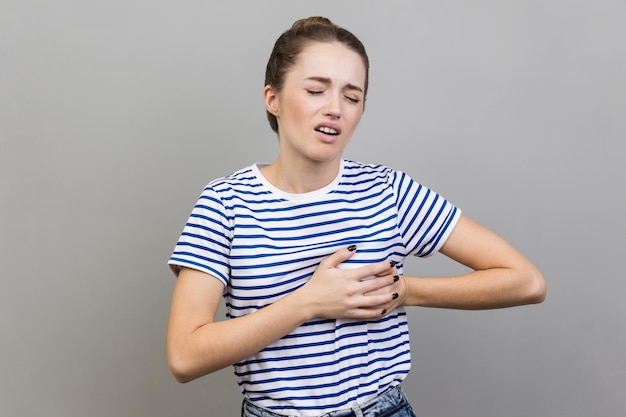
{"x":326,"y":137}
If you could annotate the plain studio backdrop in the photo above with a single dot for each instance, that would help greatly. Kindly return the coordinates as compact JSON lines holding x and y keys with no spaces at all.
{"x":115,"y":114}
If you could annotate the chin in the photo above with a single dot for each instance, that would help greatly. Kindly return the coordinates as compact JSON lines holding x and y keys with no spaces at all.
{"x":326,"y":157}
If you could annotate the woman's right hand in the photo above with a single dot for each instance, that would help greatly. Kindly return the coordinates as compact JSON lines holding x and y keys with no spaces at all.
{"x":198,"y":345}
{"x":365,"y":292}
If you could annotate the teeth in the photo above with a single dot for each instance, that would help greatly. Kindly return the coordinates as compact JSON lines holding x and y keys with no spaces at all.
{"x":327,"y":130}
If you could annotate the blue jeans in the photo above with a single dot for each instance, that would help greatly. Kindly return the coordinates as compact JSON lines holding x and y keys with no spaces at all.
{"x":392,"y":403}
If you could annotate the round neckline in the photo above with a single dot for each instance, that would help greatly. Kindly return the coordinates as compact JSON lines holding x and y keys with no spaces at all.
{"x":297,"y":196}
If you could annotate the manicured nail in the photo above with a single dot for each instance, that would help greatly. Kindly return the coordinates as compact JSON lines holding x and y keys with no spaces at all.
{"x":395,"y":295}
{"x":384,"y":311}
{"x":352,"y":248}
{"x":392,"y":263}
{"x":396,"y":278}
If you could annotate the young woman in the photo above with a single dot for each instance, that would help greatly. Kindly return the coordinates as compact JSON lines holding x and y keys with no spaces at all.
{"x":308,"y":253}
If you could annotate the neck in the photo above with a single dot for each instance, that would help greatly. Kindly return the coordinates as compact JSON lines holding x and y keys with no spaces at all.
{"x":299,"y":178}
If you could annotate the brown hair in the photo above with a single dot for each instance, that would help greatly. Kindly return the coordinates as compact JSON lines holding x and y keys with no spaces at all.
{"x":289,"y":45}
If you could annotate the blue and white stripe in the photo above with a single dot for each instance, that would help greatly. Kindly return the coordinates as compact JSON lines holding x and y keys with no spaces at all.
{"x":263,"y":243}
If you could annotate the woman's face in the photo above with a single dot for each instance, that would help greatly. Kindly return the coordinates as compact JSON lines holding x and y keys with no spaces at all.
{"x":320,"y":104}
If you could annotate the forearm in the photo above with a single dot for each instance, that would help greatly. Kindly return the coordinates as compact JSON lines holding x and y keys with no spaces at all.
{"x":501,"y":277}
{"x":198,"y":345}
{"x":216,"y":345}
{"x":482,"y":289}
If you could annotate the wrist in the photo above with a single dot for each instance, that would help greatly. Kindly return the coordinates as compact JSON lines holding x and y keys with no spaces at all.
{"x":404,"y":295}
{"x":300,"y":305}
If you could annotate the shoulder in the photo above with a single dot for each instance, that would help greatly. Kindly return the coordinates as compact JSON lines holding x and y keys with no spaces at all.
{"x":241,"y":182}
{"x":223,"y":193}
{"x":243,"y":176}
{"x":354,"y":169}
{"x":356,"y":166}
{"x":382,"y":173}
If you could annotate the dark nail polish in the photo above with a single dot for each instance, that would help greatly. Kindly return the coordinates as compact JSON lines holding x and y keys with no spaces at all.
{"x":352,"y":248}
{"x":392,"y":263}
{"x":396,"y":278}
{"x":384,"y":311}
{"x":395,"y":295}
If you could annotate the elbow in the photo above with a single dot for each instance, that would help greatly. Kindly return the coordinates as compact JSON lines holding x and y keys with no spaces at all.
{"x":179,"y":371}
{"x":180,"y":367}
{"x":536,"y":287}
{"x":186,"y":367}
{"x":181,"y":377}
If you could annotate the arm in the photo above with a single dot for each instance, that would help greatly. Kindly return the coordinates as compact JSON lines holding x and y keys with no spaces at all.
{"x":198,"y":345}
{"x":501,"y":276}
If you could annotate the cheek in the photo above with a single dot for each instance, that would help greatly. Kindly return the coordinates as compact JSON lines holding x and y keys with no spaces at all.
{"x":295,"y":109}
{"x":356,"y":118}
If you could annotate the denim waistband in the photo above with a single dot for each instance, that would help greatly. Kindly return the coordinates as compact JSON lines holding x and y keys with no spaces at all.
{"x":386,"y":402}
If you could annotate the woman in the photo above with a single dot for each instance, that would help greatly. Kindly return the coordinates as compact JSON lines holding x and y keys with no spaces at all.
{"x":308,"y":253}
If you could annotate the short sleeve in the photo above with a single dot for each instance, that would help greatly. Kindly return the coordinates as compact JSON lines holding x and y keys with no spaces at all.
{"x":425,"y":218}
{"x":206,"y":238}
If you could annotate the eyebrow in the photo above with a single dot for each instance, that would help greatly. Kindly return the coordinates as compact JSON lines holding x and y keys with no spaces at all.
{"x":328,"y":81}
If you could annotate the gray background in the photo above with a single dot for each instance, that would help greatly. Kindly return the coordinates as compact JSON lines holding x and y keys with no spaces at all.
{"x":114,"y":115}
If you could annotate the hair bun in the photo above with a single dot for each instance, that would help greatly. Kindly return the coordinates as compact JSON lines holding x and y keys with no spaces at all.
{"x":311,"y":21}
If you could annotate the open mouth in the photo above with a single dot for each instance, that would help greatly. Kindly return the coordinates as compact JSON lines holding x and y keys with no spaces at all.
{"x":327,"y":130}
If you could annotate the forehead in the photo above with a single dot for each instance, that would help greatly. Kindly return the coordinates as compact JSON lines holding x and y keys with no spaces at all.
{"x":331,"y":60}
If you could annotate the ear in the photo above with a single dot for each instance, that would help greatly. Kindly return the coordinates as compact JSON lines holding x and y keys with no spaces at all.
{"x":271,"y":100}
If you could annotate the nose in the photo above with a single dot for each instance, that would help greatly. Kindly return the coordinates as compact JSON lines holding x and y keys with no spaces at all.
{"x":333,"y":106}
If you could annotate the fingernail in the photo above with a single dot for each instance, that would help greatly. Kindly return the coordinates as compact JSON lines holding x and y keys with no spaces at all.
{"x":384,"y":311}
{"x":396,"y":278}
{"x":395,"y":295}
{"x":352,"y":248}
{"x":392,"y":263}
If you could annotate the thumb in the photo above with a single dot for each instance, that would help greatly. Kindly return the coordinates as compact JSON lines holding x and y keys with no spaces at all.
{"x":338,"y":257}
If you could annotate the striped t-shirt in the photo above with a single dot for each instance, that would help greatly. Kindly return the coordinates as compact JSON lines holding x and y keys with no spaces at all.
{"x":263,"y":243}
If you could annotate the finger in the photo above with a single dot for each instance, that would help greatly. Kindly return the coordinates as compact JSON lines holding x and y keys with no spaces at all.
{"x":373,"y":270}
{"x":390,"y":280}
{"x":367,"y":313}
{"x":386,"y":290}
{"x":385,"y":308}
{"x":378,"y":284}
{"x":392,"y":267}
{"x":378,"y":301}
{"x":372,"y":313}
{"x":338,"y":257}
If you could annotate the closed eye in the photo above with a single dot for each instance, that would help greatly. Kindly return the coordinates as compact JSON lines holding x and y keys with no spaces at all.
{"x":314,"y":92}
{"x":352,"y":99}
